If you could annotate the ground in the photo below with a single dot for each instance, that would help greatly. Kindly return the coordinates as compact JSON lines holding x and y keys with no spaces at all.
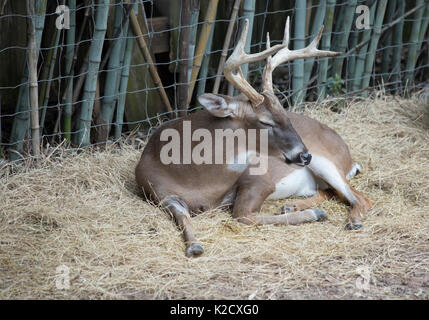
{"x":81,"y":217}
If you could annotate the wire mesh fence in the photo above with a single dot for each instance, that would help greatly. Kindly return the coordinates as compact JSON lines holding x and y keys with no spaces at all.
{"x":108,"y":68}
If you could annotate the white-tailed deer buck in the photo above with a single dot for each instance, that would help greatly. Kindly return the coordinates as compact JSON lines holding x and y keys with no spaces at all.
{"x":305,"y":158}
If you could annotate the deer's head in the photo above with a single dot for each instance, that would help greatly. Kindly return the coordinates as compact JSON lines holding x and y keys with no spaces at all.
{"x":263,"y":110}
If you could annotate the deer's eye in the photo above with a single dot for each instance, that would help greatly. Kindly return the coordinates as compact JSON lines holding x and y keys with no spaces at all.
{"x":267,"y":123}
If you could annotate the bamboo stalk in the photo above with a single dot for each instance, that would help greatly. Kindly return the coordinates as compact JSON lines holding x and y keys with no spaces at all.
{"x":370,"y":58}
{"x":119,"y":31}
{"x":325,"y":45}
{"x":226,"y":46}
{"x":21,"y":121}
{"x":45,"y":79}
{"x":361,"y":55}
{"x":114,"y":71}
{"x":123,"y":87}
{"x":203,"y":47}
{"x":174,"y":22}
{"x":82,"y":136}
{"x":317,"y":24}
{"x":308,"y":16}
{"x":146,"y":54}
{"x":397,"y":45}
{"x":184,"y":39}
{"x":351,"y":59}
{"x":412,"y":50}
{"x":344,"y":25}
{"x":385,"y":63}
{"x":299,"y":43}
{"x":44,"y":99}
{"x":205,"y":64}
{"x":82,"y":77}
{"x":424,"y":27}
{"x":69,"y":79}
{"x":195,"y":11}
{"x":126,"y":70}
{"x":70,"y":41}
{"x":32,"y":57}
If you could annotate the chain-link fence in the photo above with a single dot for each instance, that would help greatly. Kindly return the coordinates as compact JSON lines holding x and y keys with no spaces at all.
{"x":107,"y":68}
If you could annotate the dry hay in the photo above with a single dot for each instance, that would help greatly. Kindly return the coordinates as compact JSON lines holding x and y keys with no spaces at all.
{"x":85,"y":211}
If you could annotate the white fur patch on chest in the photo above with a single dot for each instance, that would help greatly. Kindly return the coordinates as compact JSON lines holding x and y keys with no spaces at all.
{"x":300,"y":183}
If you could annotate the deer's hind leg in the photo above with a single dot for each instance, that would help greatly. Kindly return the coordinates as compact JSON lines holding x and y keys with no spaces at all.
{"x":180,"y":211}
{"x":337,"y":180}
{"x":306,"y":203}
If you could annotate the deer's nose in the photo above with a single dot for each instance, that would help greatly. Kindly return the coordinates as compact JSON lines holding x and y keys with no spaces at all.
{"x":305,"y":158}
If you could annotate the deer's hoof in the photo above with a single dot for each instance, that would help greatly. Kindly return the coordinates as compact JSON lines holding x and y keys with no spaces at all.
{"x":354,"y":226}
{"x":320,"y":215}
{"x":194,"y":250}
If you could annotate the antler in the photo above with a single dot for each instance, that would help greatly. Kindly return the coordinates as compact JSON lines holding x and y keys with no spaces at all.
{"x":285,"y":55}
{"x":238,"y":58}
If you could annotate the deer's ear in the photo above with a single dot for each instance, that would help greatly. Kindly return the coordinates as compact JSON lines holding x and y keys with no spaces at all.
{"x":217,"y":105}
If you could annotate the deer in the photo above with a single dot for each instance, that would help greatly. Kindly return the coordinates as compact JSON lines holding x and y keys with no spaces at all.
{"x":305,"y":158}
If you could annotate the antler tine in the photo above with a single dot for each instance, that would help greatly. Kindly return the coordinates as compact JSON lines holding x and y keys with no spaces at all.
{"x":267,"y":79}
{"x":238,"y":58}
{"x":286,"y":33}
{"x":285,"y":55}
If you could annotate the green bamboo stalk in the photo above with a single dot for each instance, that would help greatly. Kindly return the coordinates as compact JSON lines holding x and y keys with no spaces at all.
{"x":397,"y":47}
{"x":203,"y":46}
{"x":114,"y":72}
{"x":70,"y":41}
{"x":123,"y":87}
{"x":299,"y":43}
{"x":412,"y":50}
{"x":317,"y":24}
{"x":341,"y":38}
{"x":82,"y":136}
{"x":21,"y":122}
{"x":45,"y":79}
{"x":308,"y":16}
{"x":385,"y":62}
{"x":69,"y":79}
{"x":32,"y":57}
{"x":44,"y":99}
{"x":325,"y":45}
{"x":423,"y":28}
{"x":370,"y":58}
{"x":124,"y":78}
{"x":351,"y":63}
{"x":361,"y":55}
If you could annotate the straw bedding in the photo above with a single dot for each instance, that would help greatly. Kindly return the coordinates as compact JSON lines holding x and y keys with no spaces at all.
{"x":85,"y":211}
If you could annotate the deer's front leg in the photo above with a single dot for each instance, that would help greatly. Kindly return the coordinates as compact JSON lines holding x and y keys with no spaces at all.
{"x":251,"y":194}
{"x":180,"y":211}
